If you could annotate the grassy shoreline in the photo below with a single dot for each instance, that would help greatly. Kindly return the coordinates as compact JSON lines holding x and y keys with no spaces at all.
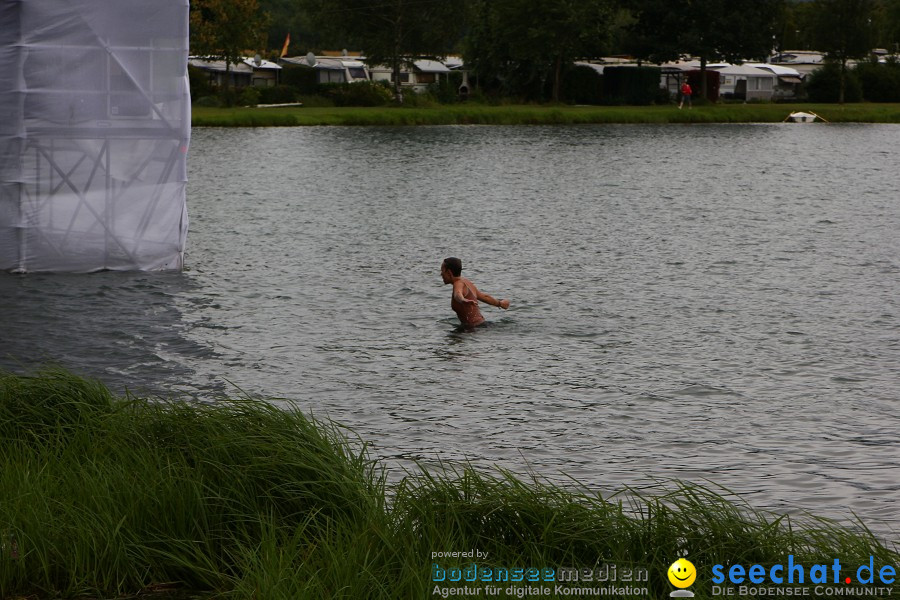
{"x":116,"y":497}
{"x":476,"y":114}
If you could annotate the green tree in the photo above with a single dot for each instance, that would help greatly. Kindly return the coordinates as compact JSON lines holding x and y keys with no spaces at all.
{"x":731,"y":30}
{"x":290,"y":17}
{"x":227,"y":29}
{"x":654,"y":31}
{"x":520,"y":45}
{"x":891,"y":39}
{"x":794,"y":25}
{"x":392,"y":32}
{"x":880,"y":82}
{"x":824,"y":85}
{"x":842,"y":29}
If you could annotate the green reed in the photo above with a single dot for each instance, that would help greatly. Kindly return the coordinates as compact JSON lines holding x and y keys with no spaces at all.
{"x":110,"y":497}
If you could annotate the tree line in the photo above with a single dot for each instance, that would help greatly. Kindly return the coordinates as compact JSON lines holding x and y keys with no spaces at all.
{"x":521,"y":48}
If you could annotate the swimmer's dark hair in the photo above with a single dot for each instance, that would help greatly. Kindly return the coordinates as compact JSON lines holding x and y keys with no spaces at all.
{"x":454,"y":264}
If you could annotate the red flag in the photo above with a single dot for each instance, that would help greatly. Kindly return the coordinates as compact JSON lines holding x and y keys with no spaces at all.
{"x":287,"y":42}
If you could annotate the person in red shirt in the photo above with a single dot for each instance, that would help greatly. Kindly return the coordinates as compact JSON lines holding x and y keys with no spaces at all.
{"x":685,"y":94}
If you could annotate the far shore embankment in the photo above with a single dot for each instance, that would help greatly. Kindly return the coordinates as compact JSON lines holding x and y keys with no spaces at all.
{"x":523,"y":114}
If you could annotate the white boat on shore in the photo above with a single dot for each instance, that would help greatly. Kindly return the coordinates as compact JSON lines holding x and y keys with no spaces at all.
{"x":802,"y":117}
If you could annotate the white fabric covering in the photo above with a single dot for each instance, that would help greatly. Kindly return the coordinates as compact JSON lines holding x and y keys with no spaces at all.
{"x":94,"y":132}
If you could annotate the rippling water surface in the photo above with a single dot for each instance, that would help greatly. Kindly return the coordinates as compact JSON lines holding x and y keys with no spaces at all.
{"x":708,"y":303}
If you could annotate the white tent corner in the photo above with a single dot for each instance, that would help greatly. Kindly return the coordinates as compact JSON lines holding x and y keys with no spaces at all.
{"x":94,"y":132}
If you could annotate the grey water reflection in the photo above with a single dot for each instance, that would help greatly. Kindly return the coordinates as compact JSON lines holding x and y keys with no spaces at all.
{"x":123,"y":328}
{"x":707,"y":303}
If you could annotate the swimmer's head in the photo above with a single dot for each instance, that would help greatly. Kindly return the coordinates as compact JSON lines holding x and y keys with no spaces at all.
{"x":452,"y":264}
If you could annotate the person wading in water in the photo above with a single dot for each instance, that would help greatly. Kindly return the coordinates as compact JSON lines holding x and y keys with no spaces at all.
{"x":465,"y":296}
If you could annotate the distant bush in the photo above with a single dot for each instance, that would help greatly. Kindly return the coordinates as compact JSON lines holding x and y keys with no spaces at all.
{"x":663,"y":96}
{"x":279,"y":94}
{"x":303,"y":79}
{"x":446,"y":90}
{"x":249,"y":96}
{"x":582,"y":85}
{"x":315,"y":101}
{"x":362,"y":93}
{"x":477,"y":95}
{"x":880,"y":82}
{"x":419,"y":100}
{"x":823,"y":85}
{"x":198,"y":80}
{"x":634,"y":86}
{"x":212,"y":101}
{"x":228,"y":97}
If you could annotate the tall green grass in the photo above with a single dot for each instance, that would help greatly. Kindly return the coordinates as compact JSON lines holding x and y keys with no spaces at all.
{"x":106,"y":496}
{"x":111,"y":497}
{"x":480,"y":114}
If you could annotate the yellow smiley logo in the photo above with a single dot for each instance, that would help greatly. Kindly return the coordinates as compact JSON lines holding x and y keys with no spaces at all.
{"x":682,"y":573}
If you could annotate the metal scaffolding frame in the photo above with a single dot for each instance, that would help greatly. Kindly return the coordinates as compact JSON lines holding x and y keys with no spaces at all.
{"x":95,"y":161}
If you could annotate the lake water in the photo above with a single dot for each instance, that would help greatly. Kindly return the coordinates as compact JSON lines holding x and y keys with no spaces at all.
{"x":712,"y":303}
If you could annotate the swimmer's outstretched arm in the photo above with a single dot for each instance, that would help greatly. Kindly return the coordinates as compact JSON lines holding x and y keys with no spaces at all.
{"x":487,"y":299}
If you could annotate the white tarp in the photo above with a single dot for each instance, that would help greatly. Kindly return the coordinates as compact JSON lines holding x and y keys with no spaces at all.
{"x":94,"y":132}
{"x":778,"y":70}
